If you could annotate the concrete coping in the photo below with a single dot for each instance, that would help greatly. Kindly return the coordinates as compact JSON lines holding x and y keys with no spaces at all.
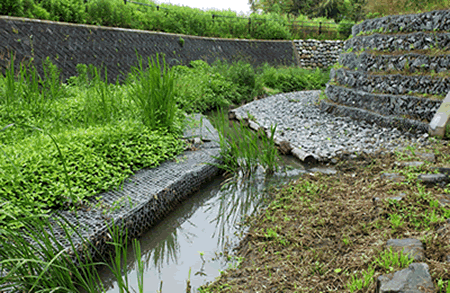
{"x":440,"y":120}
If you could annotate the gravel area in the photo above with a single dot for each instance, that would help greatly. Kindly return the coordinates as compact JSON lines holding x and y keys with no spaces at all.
{"x":323,"y":136}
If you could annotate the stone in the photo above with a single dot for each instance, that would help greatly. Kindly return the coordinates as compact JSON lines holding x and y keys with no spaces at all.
{"x":414,"y":279}
{"x":443,"y":170}
{"x":430,"y":157}
{"x":433,"y":179}
{"x":410,"y":246}
{"x":393,"y":177}
{"x":409,"y":164}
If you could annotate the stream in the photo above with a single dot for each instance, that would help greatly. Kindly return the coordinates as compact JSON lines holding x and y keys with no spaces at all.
{"x":193,"y":240}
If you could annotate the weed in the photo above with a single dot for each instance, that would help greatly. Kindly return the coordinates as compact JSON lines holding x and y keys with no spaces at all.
{"x":389,"y":260}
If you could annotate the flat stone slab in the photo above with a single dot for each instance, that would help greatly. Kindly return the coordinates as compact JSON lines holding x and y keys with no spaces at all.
{"x":430,"y":157}
{"x":433,"y":179}
{"x":415,"y":279}
{"x":393,"y":177}
{"x":410,"y":246}
{"x":409,"y":164}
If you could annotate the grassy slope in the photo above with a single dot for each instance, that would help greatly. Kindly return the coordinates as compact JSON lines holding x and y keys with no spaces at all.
{"x":326,"y":233}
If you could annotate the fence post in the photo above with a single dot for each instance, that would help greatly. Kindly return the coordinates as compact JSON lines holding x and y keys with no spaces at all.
{"x":250,"y":26}
{"x":320,"y":28}
{"x":125,"y":1}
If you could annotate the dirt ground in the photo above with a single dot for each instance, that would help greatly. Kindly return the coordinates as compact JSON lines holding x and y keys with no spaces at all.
{"x":326,"y":233}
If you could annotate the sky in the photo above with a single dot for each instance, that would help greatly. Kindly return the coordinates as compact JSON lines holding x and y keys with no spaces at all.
{"x":235,"y":5}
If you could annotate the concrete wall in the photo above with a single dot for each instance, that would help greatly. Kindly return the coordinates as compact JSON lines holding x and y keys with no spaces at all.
{"x":69,"y":44}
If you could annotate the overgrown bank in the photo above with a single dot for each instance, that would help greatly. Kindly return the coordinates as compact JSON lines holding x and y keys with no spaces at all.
{"x":63,"y":143}
{"x":329,"y":232}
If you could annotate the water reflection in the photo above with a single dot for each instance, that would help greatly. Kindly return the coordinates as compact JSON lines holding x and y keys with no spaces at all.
{"x":193,"y":236}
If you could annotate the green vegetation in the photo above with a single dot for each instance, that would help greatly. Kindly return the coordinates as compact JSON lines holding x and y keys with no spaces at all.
{"x":63,"y":143}
{"x":49,"y":265}
{"x":243,"y":150}
{"x":177,"y":19}
{"x":202,"y":87}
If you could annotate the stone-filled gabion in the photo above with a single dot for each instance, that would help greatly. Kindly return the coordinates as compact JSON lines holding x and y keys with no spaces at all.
{"x":381,"y":79}
{"x":386,"y":105}
{"x":411,"y":62}
{"x":395,"y":84}
{"x":315,"y":53}
{"x":428,"y":21}
{"x":405,"y":42}
{"x":146,"y":197}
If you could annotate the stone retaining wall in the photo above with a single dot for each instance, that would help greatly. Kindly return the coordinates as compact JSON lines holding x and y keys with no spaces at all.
{"x":411,"y":62}
{"x":315,"y":53}
{"x":384,"y":104}
{"x":406,"y":42}
{"x":395,"y":84}
{"x":70,"y":44}
{"x":398,"y":75}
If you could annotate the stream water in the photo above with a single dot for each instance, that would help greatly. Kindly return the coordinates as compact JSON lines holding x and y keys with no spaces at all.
{"x":191,"y":241}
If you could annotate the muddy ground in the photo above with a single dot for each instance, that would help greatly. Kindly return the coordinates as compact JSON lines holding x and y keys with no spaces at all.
{"x":326,"y":233}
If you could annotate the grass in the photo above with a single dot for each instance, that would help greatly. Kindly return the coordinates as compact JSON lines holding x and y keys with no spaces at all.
{"x":35,"y":259}
{"x":244,"y":151}
{"x":325,"y":232}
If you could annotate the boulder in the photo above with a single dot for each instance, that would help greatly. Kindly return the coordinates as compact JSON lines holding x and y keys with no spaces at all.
{"x":414,"y":279}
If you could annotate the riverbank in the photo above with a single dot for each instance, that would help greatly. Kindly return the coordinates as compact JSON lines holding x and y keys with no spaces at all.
{"x":327,"y":233}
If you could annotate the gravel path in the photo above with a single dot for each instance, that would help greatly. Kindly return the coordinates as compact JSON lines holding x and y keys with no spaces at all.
{"x":311,"y":132}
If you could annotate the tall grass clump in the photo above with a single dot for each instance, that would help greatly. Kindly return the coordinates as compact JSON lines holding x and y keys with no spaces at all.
{"x":34,"y":259}
{"x":243,"y":150}
{"x":29,"y":91}
{"x":153,"y":91}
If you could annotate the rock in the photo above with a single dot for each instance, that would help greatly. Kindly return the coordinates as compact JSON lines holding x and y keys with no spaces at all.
{"x":409,"y":164}
{"x":415,"y":279}
{"x":433,"y":179}
{"x":443,"y":170}
{"x":430,"y":157}
{"x":396,"y":198}
{"x":410,"y":246}
{"x":393,"y":177}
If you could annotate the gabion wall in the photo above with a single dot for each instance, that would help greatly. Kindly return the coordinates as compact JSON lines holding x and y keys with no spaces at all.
{"x":393,"y":71}
{"x":315,"y":53}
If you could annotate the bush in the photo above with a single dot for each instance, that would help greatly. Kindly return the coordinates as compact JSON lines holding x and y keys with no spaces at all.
{"x":65,"y":10}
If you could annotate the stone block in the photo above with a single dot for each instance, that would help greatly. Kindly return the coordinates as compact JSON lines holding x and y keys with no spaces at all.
{"x":433,"y":179}
{"x":410,"y":246}
{"x":393,"y":177}
{"x":440,"y":119}
{"x":415,"y":279}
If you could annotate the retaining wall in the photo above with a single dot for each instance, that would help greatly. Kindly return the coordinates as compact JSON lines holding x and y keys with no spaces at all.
{"x":315,"y":53}
{"x":70,"y":44}
{"x":393,"y":71}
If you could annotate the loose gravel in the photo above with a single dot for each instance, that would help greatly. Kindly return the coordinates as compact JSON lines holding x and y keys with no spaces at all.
{"x":303,"y":125}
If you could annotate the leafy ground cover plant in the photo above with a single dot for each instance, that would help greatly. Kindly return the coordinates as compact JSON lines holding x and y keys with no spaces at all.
{"x":91,"y":131}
